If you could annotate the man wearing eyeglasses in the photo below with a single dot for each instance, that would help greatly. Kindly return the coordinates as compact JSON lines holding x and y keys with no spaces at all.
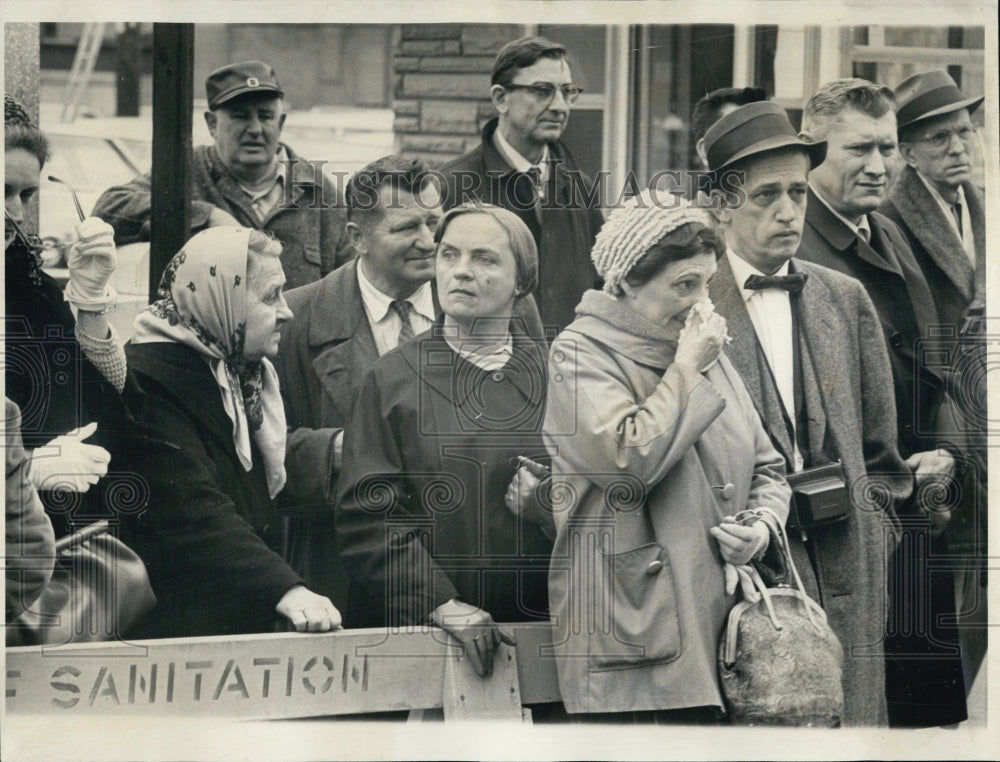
{"x":843,"y":230}
{"x":523,"y":166}
{"x":941,"y":214}
{"x":934,"y":202}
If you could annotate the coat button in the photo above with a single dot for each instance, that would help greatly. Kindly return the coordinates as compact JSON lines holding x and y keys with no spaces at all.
{"x":896,"y":339}
{"x":654,"y":567}
{"x":728,"y":491}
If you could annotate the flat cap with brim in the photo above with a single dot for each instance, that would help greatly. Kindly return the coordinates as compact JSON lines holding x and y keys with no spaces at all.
{"x":753,"y":129}
{"x":930,"y":93}
{"x":234,"y":80}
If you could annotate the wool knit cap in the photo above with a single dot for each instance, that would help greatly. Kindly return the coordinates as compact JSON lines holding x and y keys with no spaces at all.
{"x":634,"y":228}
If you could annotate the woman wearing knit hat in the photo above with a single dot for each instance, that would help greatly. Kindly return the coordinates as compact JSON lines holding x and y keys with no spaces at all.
{"x":660,"y":465}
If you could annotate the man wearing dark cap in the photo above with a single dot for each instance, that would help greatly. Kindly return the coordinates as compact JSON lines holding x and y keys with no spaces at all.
{"x":806,"y":341}
{"x":845,"y":232}
{"x":523,"y":166}
{"x":248,"y":177}
{"x":941,"y":213}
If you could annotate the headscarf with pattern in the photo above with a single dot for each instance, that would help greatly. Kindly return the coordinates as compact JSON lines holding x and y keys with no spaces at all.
{"x":203,"y":305}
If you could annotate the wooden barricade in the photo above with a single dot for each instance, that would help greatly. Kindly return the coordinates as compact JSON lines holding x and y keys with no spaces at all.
{"x":282,"y":676}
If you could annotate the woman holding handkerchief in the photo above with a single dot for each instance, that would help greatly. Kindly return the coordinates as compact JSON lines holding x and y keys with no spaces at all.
{"x":660,"y":466}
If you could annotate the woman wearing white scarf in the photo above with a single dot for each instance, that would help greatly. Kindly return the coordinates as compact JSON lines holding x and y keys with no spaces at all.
{"x":211,"y":443}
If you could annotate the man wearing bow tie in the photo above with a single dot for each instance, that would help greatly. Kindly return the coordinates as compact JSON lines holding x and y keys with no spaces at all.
{"x":857,"y":120}
{"x":807,"y":343}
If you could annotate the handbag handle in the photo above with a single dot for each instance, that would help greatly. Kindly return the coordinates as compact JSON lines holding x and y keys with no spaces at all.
{"x":787,"y":553}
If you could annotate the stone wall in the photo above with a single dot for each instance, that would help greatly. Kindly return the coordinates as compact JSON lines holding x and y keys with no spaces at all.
{"x":442,"y":84}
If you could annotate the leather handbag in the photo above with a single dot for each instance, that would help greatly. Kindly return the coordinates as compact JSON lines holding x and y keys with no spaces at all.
{"x":779,"y":661}
{"x":99,"y":588}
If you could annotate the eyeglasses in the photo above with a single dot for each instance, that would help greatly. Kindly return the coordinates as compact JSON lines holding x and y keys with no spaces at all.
{"x":544,"y":92}
{"x":942,"y":139}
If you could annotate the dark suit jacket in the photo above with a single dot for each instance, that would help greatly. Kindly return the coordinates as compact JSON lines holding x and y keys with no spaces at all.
{"x":852,"y":416}
{"x":889,"y":273}
{"x":953,"y":281}
{"x":570,"y":219}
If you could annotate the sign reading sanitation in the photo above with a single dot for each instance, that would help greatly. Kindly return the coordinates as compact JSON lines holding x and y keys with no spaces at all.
{"x":250,"y":677}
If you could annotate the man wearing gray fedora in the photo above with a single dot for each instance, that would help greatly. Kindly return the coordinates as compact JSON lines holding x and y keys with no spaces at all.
{"x":941,"y":213}
{"x":806,"y":341}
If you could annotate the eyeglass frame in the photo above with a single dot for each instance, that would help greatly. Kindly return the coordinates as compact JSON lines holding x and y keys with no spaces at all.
{"x":570,"y":93}
{"x":934,"y":141}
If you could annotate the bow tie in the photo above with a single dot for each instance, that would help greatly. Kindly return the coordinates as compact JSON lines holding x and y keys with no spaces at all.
{"x":791,"y":283}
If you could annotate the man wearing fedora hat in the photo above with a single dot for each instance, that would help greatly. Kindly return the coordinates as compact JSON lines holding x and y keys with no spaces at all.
{"x":806,"y":341}
{"x":845,"y":232}
{"x":249,"y":178}
{"x":941,"y":213}
{"x":934,"y":202}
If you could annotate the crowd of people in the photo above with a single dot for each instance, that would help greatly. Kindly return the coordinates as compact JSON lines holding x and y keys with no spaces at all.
{"x":488,"y":400}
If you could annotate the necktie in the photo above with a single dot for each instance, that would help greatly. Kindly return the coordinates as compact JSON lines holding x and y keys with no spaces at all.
{"x":791,"y":283}
{"x":956,"y":209}
{"x":402,"y":308}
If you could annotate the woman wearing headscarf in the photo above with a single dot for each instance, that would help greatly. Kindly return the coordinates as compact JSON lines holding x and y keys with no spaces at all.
{"x":661,"y":471}
{"x":211,"y":443}
{"x":65,"y":373}
{"x":435,"y":442}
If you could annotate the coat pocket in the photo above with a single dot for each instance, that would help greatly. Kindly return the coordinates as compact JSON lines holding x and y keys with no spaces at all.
{"x":640,"y":624}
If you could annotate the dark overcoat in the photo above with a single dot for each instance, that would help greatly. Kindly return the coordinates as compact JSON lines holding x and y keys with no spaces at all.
{"x":204,"y":522}
{"x":953,"y":280}
{"x":852,"y":416}
{"x":905,"y":307}
{"x":430,"y":449}
{"x":325,"y":352}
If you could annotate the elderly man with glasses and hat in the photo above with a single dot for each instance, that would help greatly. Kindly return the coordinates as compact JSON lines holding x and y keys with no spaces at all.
{"x":524,"y":167}
{"x":941,"y":213}
{"x":806,"y":341}
{"x":248,"y":177}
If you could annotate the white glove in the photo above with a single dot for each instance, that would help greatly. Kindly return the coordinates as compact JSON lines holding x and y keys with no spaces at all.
{"x":91,"y":261}
{"x":67,"y":464}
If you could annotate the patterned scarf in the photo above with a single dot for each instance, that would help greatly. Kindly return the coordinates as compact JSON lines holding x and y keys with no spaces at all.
{"x":203,"y":305}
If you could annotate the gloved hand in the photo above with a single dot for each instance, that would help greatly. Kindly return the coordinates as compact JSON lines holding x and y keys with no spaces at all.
{"x":91,"y":261}
{"x":738,"y":543}
{"x":67,"y":464}
{"x":740,"y":575}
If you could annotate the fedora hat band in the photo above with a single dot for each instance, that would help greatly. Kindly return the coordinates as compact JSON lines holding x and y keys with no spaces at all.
{"x":746,"y":135}
{"x":932,"y":100}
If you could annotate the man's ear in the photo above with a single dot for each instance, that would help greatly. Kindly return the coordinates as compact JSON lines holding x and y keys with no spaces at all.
{"x":719,"y":208}
{"x":357,"y":237}
{"x":699,"y":148}
{"x":281,"y":121}
{"x":499,"y":97}
{"x":211,"y":119}
{"x":906,"y":151}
